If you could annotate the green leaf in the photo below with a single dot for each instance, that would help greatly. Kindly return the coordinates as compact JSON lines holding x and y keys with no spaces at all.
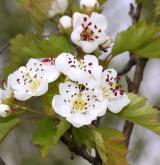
{"x":84,"y":136}
{"x":102,"y":2}
{"x":141,"y":113}
{"x":148,"y":10}
{"x":109,"y":143}
{"x":27,"y":46}
{"x":6,"y":125}
{"x":141,"y":39}
{"x":48,"y":134}
{"x":39,"y":11}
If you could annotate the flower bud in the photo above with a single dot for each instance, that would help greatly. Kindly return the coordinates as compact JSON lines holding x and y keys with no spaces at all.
{"x":65,"y":22}
{"x":89,"y":5}
{"x":4,"y":109}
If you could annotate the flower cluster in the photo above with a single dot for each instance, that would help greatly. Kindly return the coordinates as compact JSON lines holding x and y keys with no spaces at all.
{"x":89,"y":89}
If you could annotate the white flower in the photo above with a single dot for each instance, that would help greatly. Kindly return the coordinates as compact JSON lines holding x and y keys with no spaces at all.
{"x":87,"y":70}
{"x":111,"y":91}
{"x":4,"y":109}
{"x":89,"y":31}
{"x":66,"y":22}
{"x":89,"y":4}
{"x":79,"y":107}
{"x":58,"y":6}
{"x":33,"y":79}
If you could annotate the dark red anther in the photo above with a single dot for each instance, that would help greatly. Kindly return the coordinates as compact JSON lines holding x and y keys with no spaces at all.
{"x":85,"y":19}
{"x":90,"y":64}
{"x":99,"y":31}
{"x":89,"y":24}
{"x":95,"y":26}
{"x":121,"y":92}
{"x":89,"y":71}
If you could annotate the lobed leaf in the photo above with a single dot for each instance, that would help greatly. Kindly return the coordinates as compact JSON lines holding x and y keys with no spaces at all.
{"x":141,"y":113}
{"x":107,"y":141}
{"x":28,"y":46}
{"x":6,"y":125}
{"x":141,"y":39}
{"x":48,"y":134}
{"x":38,"y":10}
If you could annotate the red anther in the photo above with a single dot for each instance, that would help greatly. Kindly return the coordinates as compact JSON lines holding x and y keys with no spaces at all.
{"x":121,"y":92}
{"x":99,"y":30}
{"x":95,"y":26}
{"x":89,"y":24}
{"x":85,"y":19}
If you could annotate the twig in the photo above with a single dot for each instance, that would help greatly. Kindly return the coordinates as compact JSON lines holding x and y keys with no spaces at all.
{"x":4,"y":48}
{"x":77,"y":149}
{"x":129,"y":65}
{"x":2,"y":162}
{"x":140,"y":65}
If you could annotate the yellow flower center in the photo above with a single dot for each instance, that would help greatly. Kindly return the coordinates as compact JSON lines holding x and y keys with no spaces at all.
{"x":79,"y":104}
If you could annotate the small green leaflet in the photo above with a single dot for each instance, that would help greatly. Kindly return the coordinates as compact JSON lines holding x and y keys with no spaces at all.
{"x":38,"y":10}
{"x":141,"y":39}
{"x":48,"y":134}
{"x":141,"y":113}
{"x":29,"y":45}
{"x":6,"y":125}
{"x":108,"y":142}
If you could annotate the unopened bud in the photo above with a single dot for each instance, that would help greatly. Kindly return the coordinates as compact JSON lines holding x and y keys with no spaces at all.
{"x":65,"y":22}
{"x":89,"y":5}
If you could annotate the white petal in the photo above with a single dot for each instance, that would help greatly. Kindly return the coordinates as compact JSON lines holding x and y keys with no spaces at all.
{"x":101,"y":107}
{"x":78,"y":119}
{"x":78,"y":19}
{"x":99,"y":20}
{"x":61,"y":62}
{"x":68,"y":89}
{"x":109,"y":74}
{"x":78,"y":75}
{"x":102,"y":38}
{"x":88,"y":47}
{"x":42,"y":89}
{"x":21,"y":94}
{"x":91,"y":59}
{"x":60,"y":107}
{"x":118,"y":103}
{"x":52,"y":74}
{"x":75,"y":35}
{"x":3,"y":110}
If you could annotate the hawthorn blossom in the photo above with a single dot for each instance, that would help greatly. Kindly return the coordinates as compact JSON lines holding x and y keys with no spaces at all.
{"x":65,"y":22}
{"x":85,"y":71}
{"x":89,"y":4}
{"x":4,"y":108}
{"x":32,"y":79}
{"x":111,"y":91}
{"x":89,"y":31}
{"x":79,"y":106}
{"x":58,"y":7}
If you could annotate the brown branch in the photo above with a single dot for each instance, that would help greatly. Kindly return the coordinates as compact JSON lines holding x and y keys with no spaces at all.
{"x":77,"y":149}
{"x":2,"y":162}
{"x":129,"y":65}
{"x":138,"y":76}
